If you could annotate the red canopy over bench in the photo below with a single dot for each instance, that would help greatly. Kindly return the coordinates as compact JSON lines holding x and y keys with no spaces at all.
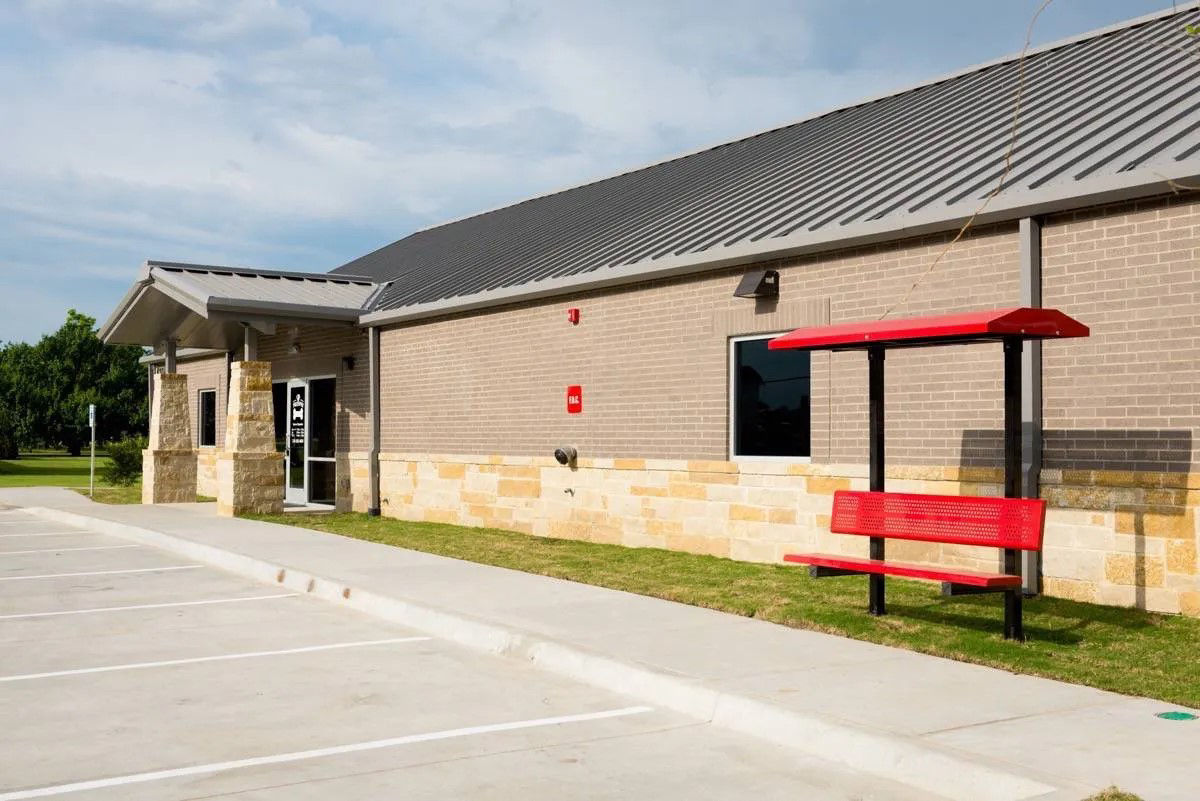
{"x":937,"y":518}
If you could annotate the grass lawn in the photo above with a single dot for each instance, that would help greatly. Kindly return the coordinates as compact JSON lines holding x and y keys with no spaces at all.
{"x":48,"y":469}
{"x":1123,"y":650}
{"x":1113,"y":794}
{"x":57,"y":469}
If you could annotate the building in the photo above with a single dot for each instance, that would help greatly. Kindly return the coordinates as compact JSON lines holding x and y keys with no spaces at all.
{"x":434,"y":378}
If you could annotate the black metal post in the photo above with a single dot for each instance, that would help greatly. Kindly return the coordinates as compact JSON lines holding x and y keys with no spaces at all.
{"x":878,"y":605}
{"x":1013,"y":627}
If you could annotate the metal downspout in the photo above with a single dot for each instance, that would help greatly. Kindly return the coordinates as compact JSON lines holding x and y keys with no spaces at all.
{"x":373,"y":456}
{"x":1030,"y":236}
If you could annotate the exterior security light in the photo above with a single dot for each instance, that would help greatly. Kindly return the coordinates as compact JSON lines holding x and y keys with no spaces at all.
{"x":565,"y":455}
{"x":758,"y":284}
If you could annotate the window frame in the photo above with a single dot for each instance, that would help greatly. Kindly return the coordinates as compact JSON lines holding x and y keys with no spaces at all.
{"x":200,"y":418}
{"x":731,"y":395}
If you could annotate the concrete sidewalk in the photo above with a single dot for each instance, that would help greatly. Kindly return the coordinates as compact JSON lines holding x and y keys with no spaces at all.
{"x":952,"y":729}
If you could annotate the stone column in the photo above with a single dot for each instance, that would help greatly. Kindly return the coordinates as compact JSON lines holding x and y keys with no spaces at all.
{"x":249,"y":469}
{"x":169,"y":461}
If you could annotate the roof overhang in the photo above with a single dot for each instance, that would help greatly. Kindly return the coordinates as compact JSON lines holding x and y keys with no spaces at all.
{"x":207,"y":307}
{"x":947,"y":329}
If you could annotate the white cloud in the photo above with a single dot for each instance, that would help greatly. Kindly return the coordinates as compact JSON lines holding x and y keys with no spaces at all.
{"x":254,"y":131}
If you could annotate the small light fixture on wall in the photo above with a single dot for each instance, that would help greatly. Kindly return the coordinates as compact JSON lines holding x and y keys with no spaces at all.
{"x":565,"y":455}
{"x":295,"y":348}
{"x":758,"y":284}
{"x":348,"y":362}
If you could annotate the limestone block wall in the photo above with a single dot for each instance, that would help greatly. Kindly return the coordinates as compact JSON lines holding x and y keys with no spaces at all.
{"x":206,"y":472}
{"x":1116,"y":539}
{"x":358,"y":488}
{"x":169,"y":461}
{"x":249,"y":470}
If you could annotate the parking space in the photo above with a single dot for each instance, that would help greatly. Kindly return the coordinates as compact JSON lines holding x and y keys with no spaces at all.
{"x":127,"y":672}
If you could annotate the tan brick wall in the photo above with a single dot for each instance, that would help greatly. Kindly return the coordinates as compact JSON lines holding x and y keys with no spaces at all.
{"x":1128,"y":396}
{"x":652,"y":360}
{"x":321,"y":352}
{"x":206,"y":373}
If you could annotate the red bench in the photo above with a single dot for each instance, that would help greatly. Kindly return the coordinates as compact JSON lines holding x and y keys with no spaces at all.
{"x":1012,"y":524}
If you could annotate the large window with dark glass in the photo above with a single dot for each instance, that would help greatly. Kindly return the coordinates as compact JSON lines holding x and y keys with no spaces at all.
{"x":770,"y":400}
{"x":208,"y":418}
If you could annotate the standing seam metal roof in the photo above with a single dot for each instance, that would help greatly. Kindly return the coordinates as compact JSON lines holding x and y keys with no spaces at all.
{"x":318,"y":290}
{"x":1101,"y":105}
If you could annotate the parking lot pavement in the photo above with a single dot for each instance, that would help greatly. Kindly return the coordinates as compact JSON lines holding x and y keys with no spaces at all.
{"x":130,"y":673}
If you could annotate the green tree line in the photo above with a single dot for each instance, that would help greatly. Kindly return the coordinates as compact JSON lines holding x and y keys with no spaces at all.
{"x":45,"y":389}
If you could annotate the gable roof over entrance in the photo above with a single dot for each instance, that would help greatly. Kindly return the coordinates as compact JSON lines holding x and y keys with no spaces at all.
{"x":1106,"y":116}
{"x":201,"y":306}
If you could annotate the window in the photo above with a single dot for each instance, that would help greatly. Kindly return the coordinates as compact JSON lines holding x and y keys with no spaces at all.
{"x":208,"y":418}
{"x":770,"y":393}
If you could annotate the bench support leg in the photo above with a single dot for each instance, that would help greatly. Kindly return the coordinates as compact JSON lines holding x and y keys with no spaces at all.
{"x":875,"y":408}
{"x":1014,"y":628}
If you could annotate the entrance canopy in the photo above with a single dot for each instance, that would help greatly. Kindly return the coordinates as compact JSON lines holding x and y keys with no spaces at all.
{"x":199,"y":306}
{"x":949,"y":329}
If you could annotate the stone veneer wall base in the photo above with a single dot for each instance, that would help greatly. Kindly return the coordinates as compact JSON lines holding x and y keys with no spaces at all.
{"x":1127,"y":539}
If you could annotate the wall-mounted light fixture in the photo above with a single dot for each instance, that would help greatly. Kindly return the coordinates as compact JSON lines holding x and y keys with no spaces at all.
{"x":295,"y":348}
{"x":348,"y":362}
{"x":758,"y":284}
{"x":565,"y":455}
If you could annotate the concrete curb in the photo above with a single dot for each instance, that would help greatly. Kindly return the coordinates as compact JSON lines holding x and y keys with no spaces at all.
{"x":925,"y":766}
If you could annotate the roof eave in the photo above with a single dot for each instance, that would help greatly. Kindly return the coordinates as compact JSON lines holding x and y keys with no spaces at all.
{"x":1011,"y":205}
{"x":125,"y":304}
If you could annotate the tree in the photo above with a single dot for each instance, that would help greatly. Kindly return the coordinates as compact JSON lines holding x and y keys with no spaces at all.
{"x":19,"y":398}
{"x":45,"y":388}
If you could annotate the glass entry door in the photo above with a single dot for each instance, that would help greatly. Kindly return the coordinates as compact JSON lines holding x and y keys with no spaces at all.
{"x":296,"y":410}
{"x":306,"y":430}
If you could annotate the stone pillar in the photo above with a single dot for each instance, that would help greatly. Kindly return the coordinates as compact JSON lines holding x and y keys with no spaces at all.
{"x":249,"y":469}
{"x":169,"y":461}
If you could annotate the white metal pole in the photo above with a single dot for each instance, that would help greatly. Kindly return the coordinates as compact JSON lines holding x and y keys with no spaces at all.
{"x":92,"y":467}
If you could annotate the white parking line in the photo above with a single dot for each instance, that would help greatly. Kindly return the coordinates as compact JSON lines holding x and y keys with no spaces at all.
{"x":61,"y":550}
{"x":297,"y":756}
{"x":149,"y":606}
{"x":218,"y":658}
{"x":81,"y":532}
{"x":100,"y":572}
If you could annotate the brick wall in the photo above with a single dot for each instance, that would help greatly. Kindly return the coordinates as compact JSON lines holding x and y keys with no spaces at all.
{"x":652,"y":360}
{"x":321,"y":352}
{"x":206,"y":373}
{"x":1127,"y":397}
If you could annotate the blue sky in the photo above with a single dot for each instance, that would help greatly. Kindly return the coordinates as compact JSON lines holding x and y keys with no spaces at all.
{"x":299,"y":135}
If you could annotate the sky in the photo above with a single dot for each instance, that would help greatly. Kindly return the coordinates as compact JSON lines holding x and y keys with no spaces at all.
{"x":300,"y":135}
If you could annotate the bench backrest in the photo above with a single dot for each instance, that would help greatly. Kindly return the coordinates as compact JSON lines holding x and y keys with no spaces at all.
{"x":961,"y":520}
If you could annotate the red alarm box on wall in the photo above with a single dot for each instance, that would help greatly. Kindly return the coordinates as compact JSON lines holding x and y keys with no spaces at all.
{"x":573,"y":316}
{"x":574,"y":399}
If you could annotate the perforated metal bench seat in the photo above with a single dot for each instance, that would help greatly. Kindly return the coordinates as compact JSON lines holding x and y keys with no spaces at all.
{"x":1010,"y":524}
{"x":851,"y":564}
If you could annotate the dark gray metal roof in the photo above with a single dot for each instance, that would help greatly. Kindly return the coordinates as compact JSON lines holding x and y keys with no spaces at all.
{"x":1106,"y":115}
